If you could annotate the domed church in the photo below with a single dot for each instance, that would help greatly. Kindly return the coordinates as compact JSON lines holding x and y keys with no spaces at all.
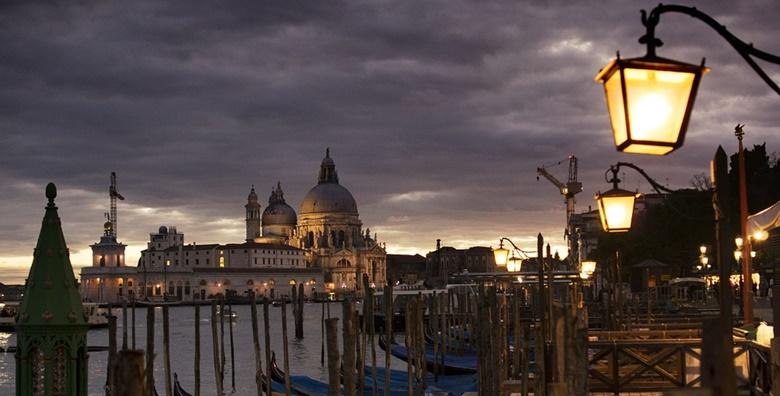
{"x":327,"y":228}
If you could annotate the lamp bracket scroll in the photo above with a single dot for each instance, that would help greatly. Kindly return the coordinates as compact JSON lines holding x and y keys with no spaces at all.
{"x":745,"y":50}
{"x":658,"y":187}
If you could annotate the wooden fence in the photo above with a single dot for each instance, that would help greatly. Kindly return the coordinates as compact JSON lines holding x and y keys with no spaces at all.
{"x":655,"y":365}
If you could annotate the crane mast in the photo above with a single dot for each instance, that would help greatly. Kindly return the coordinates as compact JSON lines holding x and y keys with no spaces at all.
{"x":571,"y":188}
{"x":113,"y":195}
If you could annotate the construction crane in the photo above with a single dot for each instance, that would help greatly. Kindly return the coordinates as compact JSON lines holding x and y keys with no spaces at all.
{"x":113,"y":194}
{"x":571,"y":188}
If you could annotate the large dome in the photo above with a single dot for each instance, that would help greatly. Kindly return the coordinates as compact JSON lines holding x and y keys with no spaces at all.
{"x":328,"y":196}
{"x":278,"y":212}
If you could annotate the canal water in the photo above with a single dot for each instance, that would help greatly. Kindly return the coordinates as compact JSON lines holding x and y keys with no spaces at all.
{"x":304,"y":354}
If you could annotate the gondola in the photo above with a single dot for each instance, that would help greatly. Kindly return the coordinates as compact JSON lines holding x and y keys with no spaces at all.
{"x":301,"y":385}
{"x":465,"y":363}
{"x":177,"y":389}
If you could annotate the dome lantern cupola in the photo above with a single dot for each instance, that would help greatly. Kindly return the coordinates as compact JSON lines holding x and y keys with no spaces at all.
{"x":328,"y":196}
{"x":328,"y":169}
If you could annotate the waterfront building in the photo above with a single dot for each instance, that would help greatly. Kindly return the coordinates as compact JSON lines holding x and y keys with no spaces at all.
{"x":325,"y":248}
{"x":446,"y":260}
{"x":406,"y":269}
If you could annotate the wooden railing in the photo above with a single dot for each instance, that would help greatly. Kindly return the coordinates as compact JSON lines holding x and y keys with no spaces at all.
{"x":653,"y":365}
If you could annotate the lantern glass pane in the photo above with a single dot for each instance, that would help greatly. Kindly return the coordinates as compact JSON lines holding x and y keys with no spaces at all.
{"x":657,"y":102}
{"x":616,"y":212}
{"x":617,"y":113}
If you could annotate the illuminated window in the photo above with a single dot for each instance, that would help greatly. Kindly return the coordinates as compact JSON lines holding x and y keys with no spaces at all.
{"x":221,"y":262}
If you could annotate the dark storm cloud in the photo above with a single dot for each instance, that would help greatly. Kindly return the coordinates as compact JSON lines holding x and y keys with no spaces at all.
{"x":438,"y":113}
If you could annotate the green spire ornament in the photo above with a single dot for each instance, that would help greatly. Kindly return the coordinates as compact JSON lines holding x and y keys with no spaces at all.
{"x":51,"y":325}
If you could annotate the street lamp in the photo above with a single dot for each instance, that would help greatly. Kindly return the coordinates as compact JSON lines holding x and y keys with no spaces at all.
{"x":514,"y":264}
{"x":501,"y":254}
{"x":650,"y":99}
{"x":616,"y":206}
{"x":587,"y":268}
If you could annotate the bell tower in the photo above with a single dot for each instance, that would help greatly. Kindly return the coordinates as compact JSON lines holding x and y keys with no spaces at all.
{"x":51,"y":355}
{"x":253,"y":216}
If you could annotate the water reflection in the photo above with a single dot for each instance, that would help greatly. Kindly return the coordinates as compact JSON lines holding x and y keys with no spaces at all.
{"x":304,"y":354}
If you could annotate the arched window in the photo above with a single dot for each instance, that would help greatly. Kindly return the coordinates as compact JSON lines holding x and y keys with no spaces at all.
{"x":341,"y":239}
{"x":343,"y":263}
{"x":203,"y":282}
{"x":309,"y":239}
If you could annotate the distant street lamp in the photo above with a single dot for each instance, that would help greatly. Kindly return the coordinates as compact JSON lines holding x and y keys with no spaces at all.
{"x":650,"y":99}
{"x":616,"y":206}
{"x":501,"y":255}
{"x":587,"y":268}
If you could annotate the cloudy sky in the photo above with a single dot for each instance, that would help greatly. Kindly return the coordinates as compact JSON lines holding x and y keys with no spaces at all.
{"x":437,"y":113}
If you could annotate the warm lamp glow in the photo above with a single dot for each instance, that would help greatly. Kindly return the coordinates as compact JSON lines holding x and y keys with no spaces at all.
{"x":739,"y":242}
{"x":501,"y":255}
{"x":616,"y":209}
{"x":760,"y":235}
{"x":649,"y":101}
{"x":704,"y":260}
{"x":703,"y":249}
{"x":514,"y":264}
{"x":588,"y":267}
{"x":737,"y":255}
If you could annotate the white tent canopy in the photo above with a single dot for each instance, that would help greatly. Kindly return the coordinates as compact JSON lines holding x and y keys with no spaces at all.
{"x":764,"y":220}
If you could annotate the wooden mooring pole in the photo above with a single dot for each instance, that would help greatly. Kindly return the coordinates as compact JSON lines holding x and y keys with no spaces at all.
{"x":334,"y":361}
{"x":388,"y":306}
{"x":111,"y":353}
{"x":287,"y":383}
{"x":256,"y":345}
{"x":197,"y":350}
{"x":349,"y":339}
{"x":129,"y":374}
{"x":215,"y":349}
{"x":150,"y":350}
{"x":267,"y":338}
{"x":167,"y":351}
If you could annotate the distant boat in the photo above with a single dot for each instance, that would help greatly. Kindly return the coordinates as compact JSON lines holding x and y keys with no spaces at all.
{"x":96,"y":316}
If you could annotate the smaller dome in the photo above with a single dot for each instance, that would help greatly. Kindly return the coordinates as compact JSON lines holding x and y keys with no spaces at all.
{"x":108,"y":226}
{"x":163,"y":230}
{"x":278,"y":212}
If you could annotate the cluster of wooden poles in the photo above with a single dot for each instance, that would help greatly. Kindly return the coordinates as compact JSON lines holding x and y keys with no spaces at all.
{"x":493,"y":322}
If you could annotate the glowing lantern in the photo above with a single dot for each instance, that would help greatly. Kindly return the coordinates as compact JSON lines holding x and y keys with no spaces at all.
{"x":649,"y":100}
{"x":616,"y":209}
{"x":501,"y":255}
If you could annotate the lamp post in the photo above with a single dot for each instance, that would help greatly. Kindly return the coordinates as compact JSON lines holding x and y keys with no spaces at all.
{"x":650,"y":99}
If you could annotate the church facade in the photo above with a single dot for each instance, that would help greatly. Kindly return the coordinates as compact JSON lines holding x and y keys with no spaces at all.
{"x":327,"y":228}
{"x":323,"y":246}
